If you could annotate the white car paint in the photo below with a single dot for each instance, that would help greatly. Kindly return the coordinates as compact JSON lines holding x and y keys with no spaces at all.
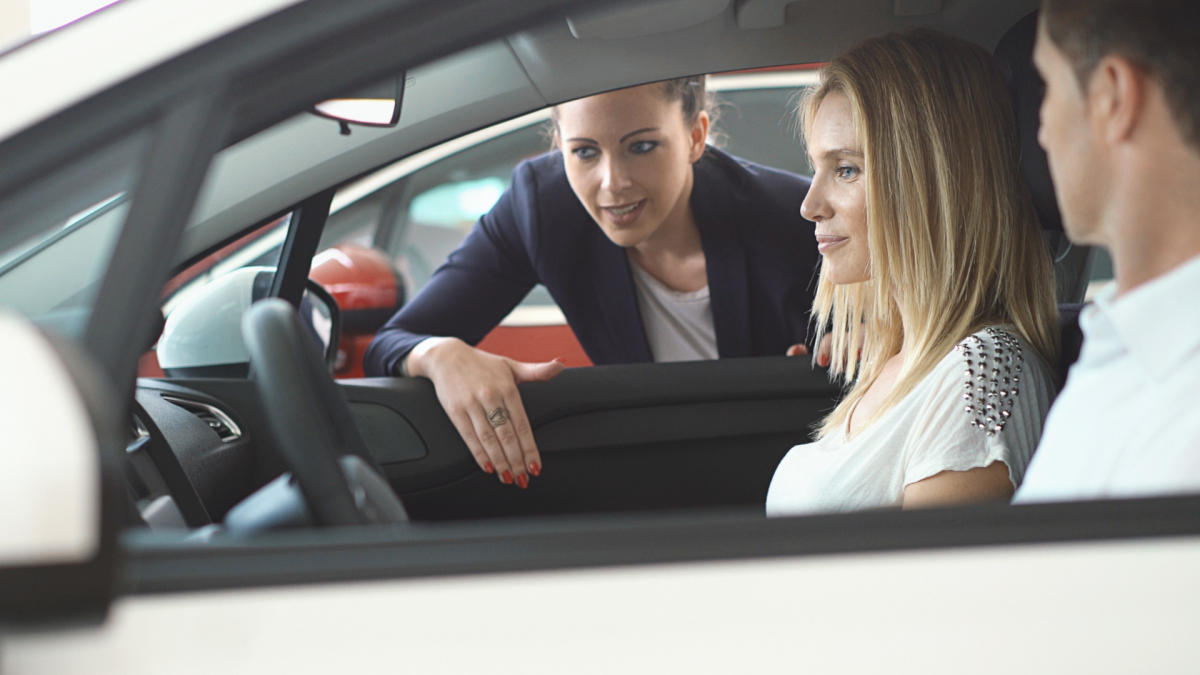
{"x":1097,"y":607}
{"x":207,"y":329}
{"x":50,"y":504}
{"x":68,"y":65}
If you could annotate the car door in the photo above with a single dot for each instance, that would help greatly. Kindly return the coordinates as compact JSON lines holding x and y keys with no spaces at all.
{"x":635,"y":437}
{"x":632,"y":437}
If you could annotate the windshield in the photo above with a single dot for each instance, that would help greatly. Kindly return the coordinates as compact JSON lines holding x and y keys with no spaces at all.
{"x":57,"y":237}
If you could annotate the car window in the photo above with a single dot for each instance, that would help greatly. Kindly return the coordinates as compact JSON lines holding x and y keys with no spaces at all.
{"x":58,"y":236}
{"x":258,"y":248}
{"x":420,"y":210}
{"x":760,"y":125}
{"x":449,"y":196}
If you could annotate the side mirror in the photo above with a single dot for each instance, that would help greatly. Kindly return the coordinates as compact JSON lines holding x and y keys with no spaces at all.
{"x":202,"y":337}
{"x":377,"y":106}
{"x":62,"y":502}
{"x":320,"y":311}
{"x":368,"y":289}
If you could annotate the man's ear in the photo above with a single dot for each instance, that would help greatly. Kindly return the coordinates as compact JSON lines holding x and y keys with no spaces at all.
{"x":1117,"y":96}
{"x":699,"y":136}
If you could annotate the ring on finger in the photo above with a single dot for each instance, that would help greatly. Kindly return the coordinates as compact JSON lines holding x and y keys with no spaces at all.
{"x":497,"y":417}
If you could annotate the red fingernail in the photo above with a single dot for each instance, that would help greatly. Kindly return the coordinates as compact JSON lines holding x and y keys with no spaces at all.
{"x":535,"y":468}
{"x":488,"y":468}
{"x":506,"y":477}
{"x":523,"y":481}
{"x":823,"y":361}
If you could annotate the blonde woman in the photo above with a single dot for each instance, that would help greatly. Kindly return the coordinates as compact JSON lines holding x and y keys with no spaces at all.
{"x":933,"y":262}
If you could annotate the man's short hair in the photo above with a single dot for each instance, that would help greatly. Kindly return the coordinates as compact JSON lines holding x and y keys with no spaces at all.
{"x":1159,"y":36}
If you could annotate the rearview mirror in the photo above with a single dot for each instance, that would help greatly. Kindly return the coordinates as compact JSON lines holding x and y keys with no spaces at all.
{"x":376,"y":106}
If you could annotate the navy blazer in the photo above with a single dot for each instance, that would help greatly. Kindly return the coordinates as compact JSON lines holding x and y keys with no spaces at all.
{"x":760,"y":257}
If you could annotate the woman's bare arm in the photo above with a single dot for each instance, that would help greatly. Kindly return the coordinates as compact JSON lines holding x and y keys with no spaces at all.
{"x":984,"y":484}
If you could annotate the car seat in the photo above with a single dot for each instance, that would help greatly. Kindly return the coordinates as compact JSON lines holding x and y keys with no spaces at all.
{"x":1072,"y":263}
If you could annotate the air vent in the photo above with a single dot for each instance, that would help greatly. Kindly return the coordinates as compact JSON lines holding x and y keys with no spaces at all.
{"x":214,"y":417}
{"x":136,"y":434}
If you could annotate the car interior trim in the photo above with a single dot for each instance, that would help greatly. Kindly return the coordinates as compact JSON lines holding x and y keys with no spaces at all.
{"x":413,"y":550}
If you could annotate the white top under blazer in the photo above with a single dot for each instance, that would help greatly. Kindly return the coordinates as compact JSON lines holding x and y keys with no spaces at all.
{"x":984,"y":402}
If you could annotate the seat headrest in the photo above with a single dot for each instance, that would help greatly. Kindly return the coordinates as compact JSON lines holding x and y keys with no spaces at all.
{"x":1014,"y":52}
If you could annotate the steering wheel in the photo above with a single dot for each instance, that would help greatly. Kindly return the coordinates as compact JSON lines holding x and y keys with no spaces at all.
{"x":312,"y":423}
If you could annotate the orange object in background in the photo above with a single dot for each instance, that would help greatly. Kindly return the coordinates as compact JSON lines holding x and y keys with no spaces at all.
{"x":359,"y":278}
{"x":536,"y":343}
{"x":367,"y":289}
{"x":148,"y":365}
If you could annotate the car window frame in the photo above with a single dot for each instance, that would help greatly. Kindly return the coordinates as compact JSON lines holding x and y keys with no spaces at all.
{"x":559,"y":542}
{"x":165,"y":565}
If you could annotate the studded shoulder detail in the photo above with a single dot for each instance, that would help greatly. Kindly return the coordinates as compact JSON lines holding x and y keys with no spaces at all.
{"x":993,"y":373}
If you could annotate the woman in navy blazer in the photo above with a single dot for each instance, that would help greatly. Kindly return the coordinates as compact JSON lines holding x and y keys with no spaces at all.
{"x":629,"y":186}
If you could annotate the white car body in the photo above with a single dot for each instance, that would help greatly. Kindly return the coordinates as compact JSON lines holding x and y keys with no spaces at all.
{"x":1058,"y":608}
{"x":57,"y":69}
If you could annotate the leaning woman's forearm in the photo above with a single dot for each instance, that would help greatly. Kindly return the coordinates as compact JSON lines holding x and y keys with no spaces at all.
{"x":420,"y":362}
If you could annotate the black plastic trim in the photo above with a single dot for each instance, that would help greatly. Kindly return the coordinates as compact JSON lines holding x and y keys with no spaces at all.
{"x":335,"y":318}
{"x":295,"y":258}
{"x":412,"y":551}
{"x":183,"y":143}
{"x":592,"y":393}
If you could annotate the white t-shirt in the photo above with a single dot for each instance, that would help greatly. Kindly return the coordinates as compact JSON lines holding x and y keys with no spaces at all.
{"x":679,"y":325}
{"x":1126,"y":423}
{"x":983,"y":402}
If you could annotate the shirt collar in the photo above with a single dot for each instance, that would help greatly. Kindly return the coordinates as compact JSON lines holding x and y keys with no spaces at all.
{"x":1157,"y":322}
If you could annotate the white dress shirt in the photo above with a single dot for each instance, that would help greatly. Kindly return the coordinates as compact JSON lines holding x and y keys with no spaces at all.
{"x":1126,"y":424}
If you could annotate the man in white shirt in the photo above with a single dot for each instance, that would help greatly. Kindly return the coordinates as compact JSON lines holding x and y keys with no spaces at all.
{"x":1120,"y":123}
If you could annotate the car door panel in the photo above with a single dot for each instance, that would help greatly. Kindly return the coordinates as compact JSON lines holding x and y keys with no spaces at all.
{"x":634,"y":437}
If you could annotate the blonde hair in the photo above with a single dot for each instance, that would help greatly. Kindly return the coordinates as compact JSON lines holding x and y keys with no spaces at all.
{"x":953,"y":238}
